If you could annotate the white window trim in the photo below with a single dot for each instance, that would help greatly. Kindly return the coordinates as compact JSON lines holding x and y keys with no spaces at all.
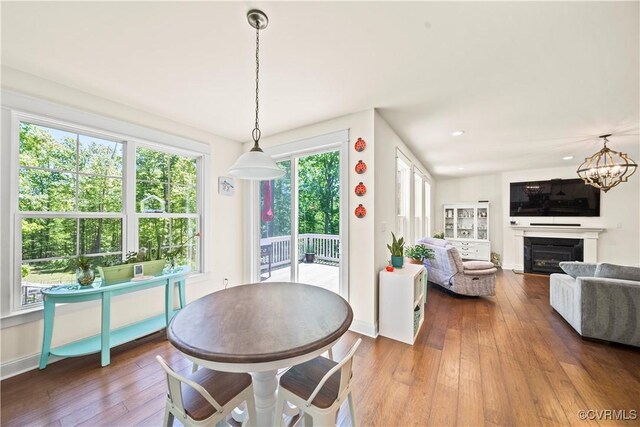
{"x":18,"y":107}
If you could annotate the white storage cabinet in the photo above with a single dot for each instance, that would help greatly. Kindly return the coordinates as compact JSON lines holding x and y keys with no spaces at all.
{"x":403,"y":295}
{"x":466,"y":226}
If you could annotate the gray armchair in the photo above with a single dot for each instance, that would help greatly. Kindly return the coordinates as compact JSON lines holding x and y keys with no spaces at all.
{"x":447,"y":269}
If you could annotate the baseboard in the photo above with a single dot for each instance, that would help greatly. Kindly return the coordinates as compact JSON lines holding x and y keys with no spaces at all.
{"x":24,"y":364}
{"x":364,"y":328}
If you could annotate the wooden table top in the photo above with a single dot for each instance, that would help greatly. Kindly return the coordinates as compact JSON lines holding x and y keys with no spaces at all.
{"x":260,"y":322}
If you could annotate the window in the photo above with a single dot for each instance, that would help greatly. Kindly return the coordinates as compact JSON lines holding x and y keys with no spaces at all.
{"x":427,"y":208}
{"x":73,"y":188}
{"x":418,"y":188}
{"x":403,"y":197}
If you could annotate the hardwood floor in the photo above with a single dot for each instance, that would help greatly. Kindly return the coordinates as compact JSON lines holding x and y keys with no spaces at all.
{"x":504,"y":360}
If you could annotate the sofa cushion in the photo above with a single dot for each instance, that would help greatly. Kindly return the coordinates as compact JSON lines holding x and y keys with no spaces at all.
{"x":613,"y":271}
{"x":477,"y":265}
{"x":433,"y":241}
{"x":579,"y":269}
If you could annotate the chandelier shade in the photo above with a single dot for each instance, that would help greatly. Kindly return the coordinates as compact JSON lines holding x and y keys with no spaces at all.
{"x":606,"y":168}
{"x":256,"y":165}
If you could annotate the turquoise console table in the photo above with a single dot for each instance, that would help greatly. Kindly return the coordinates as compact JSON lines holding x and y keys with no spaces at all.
{"x":102,"y":343}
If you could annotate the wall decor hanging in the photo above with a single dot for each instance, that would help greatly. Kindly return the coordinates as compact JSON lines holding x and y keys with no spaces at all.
{"x":360,"y":211}
{"x":361,"y":189}
{"x":226,"y":186}
{"x":361,"y":167}
{"x":360,"y":145}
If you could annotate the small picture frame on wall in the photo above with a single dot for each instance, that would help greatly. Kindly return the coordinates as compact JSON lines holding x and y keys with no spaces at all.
{"x":226,"y":186}
{"x":138,"y":270}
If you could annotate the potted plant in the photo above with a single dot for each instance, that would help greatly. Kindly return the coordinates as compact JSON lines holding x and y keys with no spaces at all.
{"x":439,"y":235}
{"x":397,"y":251}
{"x":310,"y":254}
{"x":418,"y":253}
{"x":84,"y":270}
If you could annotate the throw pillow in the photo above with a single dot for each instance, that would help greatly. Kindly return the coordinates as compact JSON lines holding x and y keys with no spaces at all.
{"x":613,"y":271}
{"x":579,"y":269}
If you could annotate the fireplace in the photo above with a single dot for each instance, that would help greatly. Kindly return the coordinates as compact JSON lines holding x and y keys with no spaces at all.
{"x":543,"y":254}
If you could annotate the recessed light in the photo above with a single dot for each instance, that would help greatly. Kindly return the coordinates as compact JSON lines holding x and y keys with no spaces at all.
{"x":457,"y":133}
{"x":567,"y":158}
{"x":460,"y":169}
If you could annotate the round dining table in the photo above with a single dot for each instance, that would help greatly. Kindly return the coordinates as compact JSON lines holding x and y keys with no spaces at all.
{"x":260,"y":328}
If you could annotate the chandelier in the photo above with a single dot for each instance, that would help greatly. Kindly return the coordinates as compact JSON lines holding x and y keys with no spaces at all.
{"x":532,"y":189}
{"x":256,"y":165}
{"x":606,"y":168}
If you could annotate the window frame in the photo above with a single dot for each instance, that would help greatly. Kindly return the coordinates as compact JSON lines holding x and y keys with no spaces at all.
{"x":128,"y":214}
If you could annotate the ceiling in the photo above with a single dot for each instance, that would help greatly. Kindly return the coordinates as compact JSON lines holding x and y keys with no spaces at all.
{"x":528,"y":82}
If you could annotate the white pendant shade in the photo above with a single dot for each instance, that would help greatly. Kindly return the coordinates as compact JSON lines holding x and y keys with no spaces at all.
{"x":255,"y":165}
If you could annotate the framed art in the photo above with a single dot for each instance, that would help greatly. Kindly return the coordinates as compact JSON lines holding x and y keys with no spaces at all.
{"x":225,"y":186}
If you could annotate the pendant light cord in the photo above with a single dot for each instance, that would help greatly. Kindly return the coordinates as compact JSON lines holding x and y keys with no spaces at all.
{"x":255,"y":134}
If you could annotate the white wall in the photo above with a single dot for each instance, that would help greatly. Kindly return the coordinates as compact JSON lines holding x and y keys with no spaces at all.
{"x":362,"y":271}
{"x":22,"y":335}
{"x":620,"y":211}
{"x":619,"y":215}
{"x":386,"y":144}
{"x":473,"y":189}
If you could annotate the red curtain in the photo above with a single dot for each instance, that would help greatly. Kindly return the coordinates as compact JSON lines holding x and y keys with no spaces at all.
{"x":267,"y":201}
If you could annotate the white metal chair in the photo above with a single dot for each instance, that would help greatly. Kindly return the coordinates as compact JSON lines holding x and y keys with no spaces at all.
{"x":318,"y":388}
{"x":206,"y":397}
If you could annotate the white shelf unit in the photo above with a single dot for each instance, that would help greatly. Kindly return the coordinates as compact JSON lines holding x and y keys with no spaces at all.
{"x":402,"y":291}
{"x":466,"y":226}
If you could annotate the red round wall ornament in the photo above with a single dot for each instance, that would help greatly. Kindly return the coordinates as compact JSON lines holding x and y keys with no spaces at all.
{"x":361,"y":167}
{"x":360,"y":145}
{"x":360,"y":211}
{"x":361,"y":189}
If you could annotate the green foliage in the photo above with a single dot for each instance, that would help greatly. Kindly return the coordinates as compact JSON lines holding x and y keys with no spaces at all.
{"x":318,"y":197}
{"x":24,"y":270}
{"x":419,"y":252}
{"x":439,"y":235}
{"x":397,"y":246}
{"x":81,"y":263}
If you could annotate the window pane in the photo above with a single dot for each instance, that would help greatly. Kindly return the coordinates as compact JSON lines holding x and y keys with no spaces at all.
{"x":39,"y":275}
{"x":99,"y":156}
{"x":151,"y":165}
{"x":154,"y":236}
{"x":46,"y":191}
{"x":151,"y":196}
{"x":184,"y":240}
{"x":100,"y":194}
{"x":100,"y":235}
{"x":183,"y":171}
{"x":47,"y":148}
{"x":48,"y":237}
{"x":183,"y":199}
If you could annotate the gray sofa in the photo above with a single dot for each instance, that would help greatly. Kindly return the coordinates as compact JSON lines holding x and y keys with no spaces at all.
{"x":599,"y":301}
{"x":447,"y":269}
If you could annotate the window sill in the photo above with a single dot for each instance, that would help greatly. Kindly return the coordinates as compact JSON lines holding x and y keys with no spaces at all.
{"x":34,"y":314}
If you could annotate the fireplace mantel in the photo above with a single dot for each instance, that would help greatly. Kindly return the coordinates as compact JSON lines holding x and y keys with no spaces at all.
{"x":588,"y":234}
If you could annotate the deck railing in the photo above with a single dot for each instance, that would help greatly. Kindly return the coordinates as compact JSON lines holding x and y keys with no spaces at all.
{"x":326,"y":247}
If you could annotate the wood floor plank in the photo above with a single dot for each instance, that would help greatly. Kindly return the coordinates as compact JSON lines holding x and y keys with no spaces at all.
{"x":504,"y":360}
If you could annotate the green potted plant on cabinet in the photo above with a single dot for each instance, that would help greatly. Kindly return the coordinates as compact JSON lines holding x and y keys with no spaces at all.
{"x":397,"y":251}
{"x":418,"y":253}
{"x":84,"y":270}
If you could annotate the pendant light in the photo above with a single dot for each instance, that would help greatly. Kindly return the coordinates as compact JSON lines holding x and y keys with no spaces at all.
{"x":606,"y":168}
{"x":256,"y":165}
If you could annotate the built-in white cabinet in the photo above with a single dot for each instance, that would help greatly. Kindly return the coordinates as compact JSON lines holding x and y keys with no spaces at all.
{"x":402,"y":296}
{"x":466,"y":226}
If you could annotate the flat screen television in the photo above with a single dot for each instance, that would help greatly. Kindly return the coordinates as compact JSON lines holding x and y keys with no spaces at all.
{"x":558,"y":197}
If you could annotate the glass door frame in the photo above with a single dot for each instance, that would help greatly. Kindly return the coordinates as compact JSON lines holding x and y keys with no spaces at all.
{"x":335,"y":141}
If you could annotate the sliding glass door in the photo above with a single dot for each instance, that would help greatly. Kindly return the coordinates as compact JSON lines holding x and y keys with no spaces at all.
{"x":300,"y":221}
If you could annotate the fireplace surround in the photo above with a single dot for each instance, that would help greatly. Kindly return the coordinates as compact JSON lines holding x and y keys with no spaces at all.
{"x":543,"y":255}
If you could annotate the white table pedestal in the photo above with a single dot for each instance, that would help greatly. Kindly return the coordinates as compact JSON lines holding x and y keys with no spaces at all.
{"x":265,"y":384}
